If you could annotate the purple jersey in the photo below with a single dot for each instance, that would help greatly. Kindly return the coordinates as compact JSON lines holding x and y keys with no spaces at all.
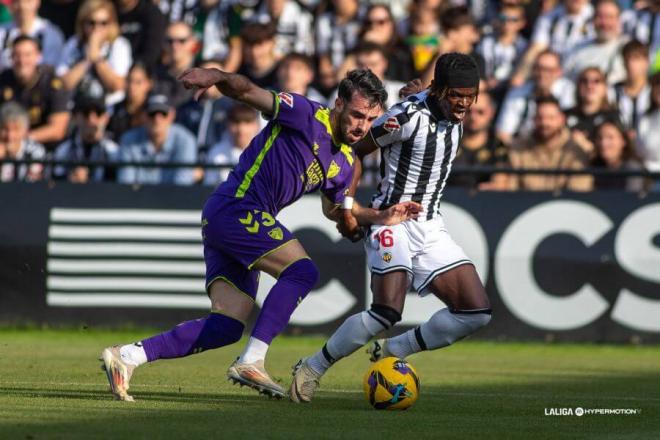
{"x":293,"y":155}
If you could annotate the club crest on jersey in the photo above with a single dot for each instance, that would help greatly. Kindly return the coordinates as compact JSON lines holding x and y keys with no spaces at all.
{"x":276,"y":234}
{"x":387,"y":257}
{"x":333,"y":169}
{"x":391,"y":124}
{"x":286,"y":98}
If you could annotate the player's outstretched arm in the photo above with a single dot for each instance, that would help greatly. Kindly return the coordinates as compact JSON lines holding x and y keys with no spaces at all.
{"x":233,"y":85}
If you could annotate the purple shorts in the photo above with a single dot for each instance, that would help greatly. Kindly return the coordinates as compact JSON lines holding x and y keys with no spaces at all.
{"x":236,"y":234}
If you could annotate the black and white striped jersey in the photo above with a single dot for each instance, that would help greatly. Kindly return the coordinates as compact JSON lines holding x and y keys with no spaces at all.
{"x":499,"y":59}
{"x":417,"y":150}
{"x":561,"y":32}
{"x":632,"y":108}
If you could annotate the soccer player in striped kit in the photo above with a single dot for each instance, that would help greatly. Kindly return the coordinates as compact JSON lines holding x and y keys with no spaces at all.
{"x":303,"y":149}
{"x":418,"y":139}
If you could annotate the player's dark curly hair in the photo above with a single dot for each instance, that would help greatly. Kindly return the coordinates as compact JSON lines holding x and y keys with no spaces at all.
{"x":456,"y":65}
{"x":366,"y":83}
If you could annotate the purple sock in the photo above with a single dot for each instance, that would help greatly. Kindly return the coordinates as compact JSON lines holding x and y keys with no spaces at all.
{"x":294,"y":283}
{"x":194,"y":336}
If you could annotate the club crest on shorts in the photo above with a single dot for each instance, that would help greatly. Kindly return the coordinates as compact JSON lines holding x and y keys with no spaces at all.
{"x":387,"y":257}
{"x":276,"y":233}
{"x":391,"y":124}
{"x":286,"y":98}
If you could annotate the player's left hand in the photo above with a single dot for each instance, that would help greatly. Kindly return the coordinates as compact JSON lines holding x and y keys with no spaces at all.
{"x":400,"y":213}
{"x":200,"y":79}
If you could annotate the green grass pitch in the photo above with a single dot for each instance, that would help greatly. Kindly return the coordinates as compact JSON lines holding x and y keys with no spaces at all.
{"x":51,"y":386}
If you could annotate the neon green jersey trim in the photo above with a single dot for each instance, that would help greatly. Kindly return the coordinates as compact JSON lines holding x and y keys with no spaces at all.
{"x":247,"y":180}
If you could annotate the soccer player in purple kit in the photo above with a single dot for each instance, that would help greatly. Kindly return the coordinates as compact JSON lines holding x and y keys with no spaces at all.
{"x":304,"y":148}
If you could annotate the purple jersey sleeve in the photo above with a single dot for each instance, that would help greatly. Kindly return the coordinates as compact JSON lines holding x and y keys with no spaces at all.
{"x":294,"y":111}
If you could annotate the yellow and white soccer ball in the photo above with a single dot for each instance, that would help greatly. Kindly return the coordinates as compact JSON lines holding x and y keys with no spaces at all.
{"x":391,"y":383}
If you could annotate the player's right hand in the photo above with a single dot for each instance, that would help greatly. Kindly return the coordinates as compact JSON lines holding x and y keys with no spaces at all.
{"x":200,"y":79}
{"x":348,"y":226}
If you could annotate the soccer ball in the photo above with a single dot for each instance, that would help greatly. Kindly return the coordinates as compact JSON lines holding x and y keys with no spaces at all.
{"x":391,"y":383}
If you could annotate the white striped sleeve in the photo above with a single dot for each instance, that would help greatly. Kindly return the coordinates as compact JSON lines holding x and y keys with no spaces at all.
{"x":393,"y":126}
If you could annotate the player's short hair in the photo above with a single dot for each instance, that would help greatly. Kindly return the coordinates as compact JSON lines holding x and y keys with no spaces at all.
{"x":13,"y":111}
{"x":299,"y":57}
{"x":241,"y":112}
{"x":255,"y":33}
{"x":455,"y":70}
{"x":366,"y":83}
{"x":456,"y":17}
{"x":634,"y":47}
{"x":23,"y":38}
{"x":367,"y":47}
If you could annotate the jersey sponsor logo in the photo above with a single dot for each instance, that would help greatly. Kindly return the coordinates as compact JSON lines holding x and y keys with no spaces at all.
{"x":333,"y":170}
{"x":286,"y":98}
{"x":276,"y":233}
{"x":391,"y":124}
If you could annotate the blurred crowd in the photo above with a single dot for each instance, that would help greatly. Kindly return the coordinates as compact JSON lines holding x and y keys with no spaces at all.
{"x":566,"y":84}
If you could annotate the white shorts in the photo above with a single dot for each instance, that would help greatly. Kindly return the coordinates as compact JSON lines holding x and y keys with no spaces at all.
{"x":423,"y":249}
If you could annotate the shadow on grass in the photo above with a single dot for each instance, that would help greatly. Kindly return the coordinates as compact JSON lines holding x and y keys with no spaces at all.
{"x":493,"y":411}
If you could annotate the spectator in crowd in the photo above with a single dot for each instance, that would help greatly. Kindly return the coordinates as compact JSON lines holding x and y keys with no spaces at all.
{"x":97,"y":59}
{"x":178,"y":56}
{"x":222,"y":33}
{"x":645,"y":27}
{"x":423,"y":40}
{"x":460,"y":34}
{"x":259,"y":60}
{"x":15,"y":144}
{"x":192,"y":12}
{"x":130,"y":113}
{"x":205,"y":118}
{"x":633,"y":95}
{"x":373,"y":57}
{"x":37,"y":89}
{"x":160,"y":141}
{"x":142,"y":24}
{"x":295,"y":74}
{"x":560,"y":30}
{"x":87,"y":143}
{"x":648,"y":138}
{"x":604,"y":50}
{"x":293,"y":26}
{"x":62,"y":13}
{"x":548,"y":147}
{"x":28,"y":22}
{"x":592,"y":108}
{"x":336,"y":34}
{"x":615,"y":151}
{"x":242,"y":126}
{"x":519,"y":106}
{"x":502,"y":48}
{"x":480,"y":147}
{"x":379,"y":27}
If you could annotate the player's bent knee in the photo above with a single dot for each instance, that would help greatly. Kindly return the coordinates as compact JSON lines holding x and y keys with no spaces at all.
{"x":474,"y":320}
{"x":303,"y":272}
{"x":389,"y":315}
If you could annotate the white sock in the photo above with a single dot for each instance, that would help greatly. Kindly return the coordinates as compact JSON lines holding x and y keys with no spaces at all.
{"x":356,"y":331}
{"x":133,"y":354}
{"x":255,"y":350}
{"x":402,"y":345}
{"x":442,"y":329}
